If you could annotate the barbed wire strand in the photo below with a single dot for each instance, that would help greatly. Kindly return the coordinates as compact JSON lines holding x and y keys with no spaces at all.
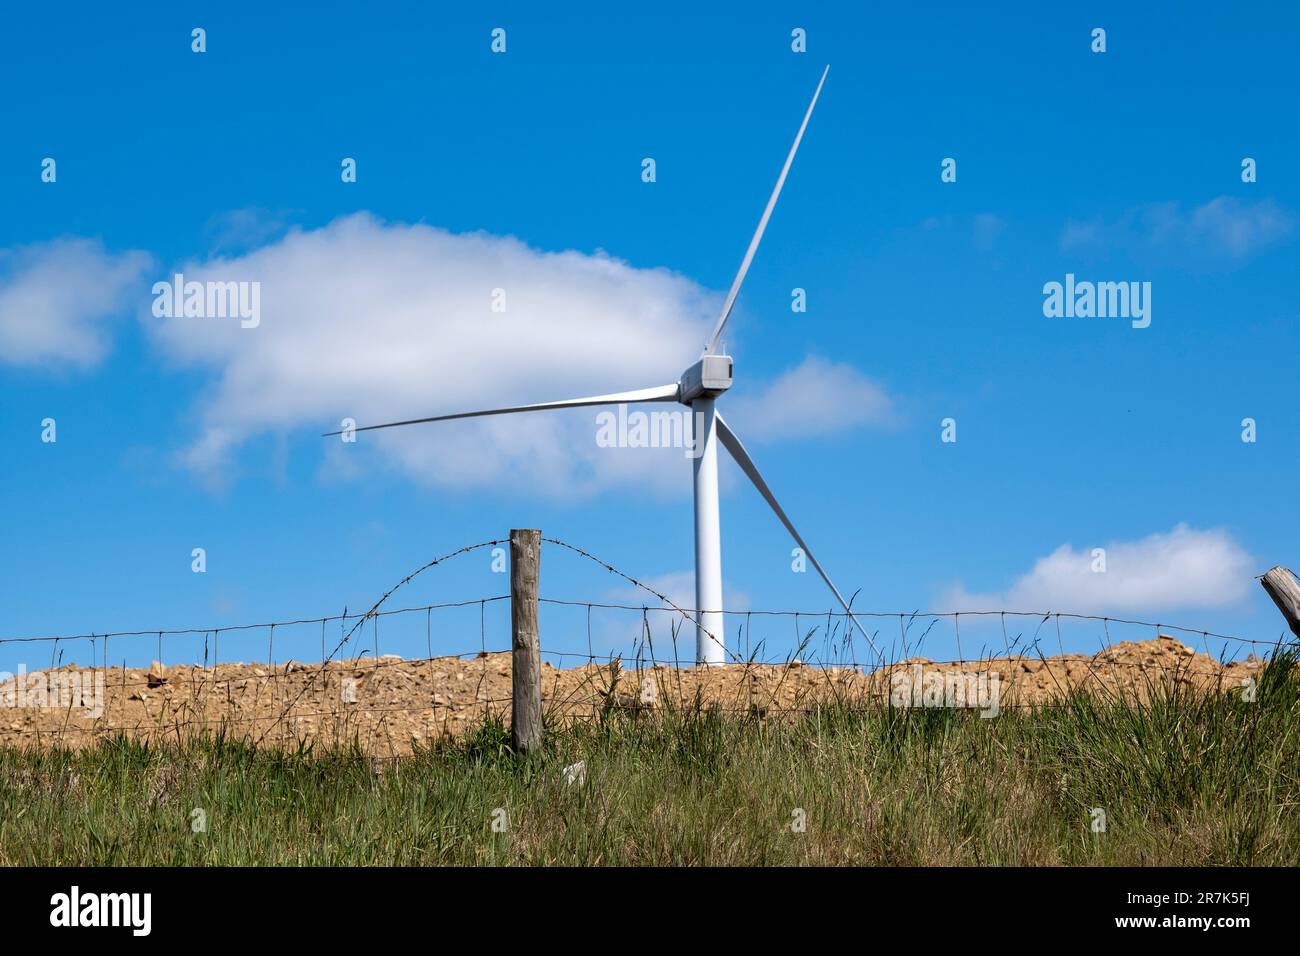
{"x":645,"y":644}
{"x":386,"y":595}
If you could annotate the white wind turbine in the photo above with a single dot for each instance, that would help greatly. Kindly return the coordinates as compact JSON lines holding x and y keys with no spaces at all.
{"x":699,"y":387}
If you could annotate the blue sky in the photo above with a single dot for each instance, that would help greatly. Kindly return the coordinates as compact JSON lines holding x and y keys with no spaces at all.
{"x":925,"y":302}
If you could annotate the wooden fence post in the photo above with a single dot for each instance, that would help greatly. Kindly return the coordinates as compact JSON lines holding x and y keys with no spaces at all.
{"x":1283,"y":588}
{"x":525,"y":646}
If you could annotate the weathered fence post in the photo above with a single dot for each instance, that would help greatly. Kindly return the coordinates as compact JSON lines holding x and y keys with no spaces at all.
{"x":1283,"y":588}
{"x":525,"y":646}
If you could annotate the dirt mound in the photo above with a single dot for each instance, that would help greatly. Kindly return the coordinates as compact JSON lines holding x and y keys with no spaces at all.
{"x":388,"y":703}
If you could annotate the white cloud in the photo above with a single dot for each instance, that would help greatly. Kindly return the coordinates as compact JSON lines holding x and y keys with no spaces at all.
{"x":380,"y":322}
{"x":383,"y":321}
{"x":56,"y":298}
{"x":1223,"y":227}
{"x":1183,"y":568}
{"x":815,"y":397}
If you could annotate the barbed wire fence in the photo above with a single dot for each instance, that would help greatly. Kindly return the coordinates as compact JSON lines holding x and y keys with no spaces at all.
{"x":391,"y":704}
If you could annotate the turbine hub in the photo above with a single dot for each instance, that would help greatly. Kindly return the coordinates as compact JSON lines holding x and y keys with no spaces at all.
{"x":708,"y":377}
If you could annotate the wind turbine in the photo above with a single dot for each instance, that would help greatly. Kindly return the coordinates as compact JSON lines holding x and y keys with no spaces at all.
{"x":699,"y":388}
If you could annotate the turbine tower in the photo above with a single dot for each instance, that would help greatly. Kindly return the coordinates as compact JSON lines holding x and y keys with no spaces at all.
{"x":699,"y":387}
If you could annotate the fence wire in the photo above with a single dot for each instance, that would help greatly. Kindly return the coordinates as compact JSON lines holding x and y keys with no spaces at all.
{"x":392,"y":704}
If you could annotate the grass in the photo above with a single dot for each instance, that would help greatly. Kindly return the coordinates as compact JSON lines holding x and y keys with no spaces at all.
{"x":1184,"y":779}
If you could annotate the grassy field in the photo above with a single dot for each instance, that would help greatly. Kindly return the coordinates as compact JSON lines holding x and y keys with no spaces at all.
{"x":1186,"y":779}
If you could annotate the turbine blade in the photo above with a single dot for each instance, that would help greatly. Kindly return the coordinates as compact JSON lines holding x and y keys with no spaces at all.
{"x":731,"y":442}
{"x":762,"y":225}
{"x":662,"y":393}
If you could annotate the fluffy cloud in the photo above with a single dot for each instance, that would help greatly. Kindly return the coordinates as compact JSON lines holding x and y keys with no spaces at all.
{"x":1223,"y":227}
{"x":813,"y":398}
{"x":1183,"y":568}
{"x":56,"y":298}
{"x":380,"y":322}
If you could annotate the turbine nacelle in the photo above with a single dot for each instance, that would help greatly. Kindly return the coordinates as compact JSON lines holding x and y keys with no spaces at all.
{"x":707,"y":378}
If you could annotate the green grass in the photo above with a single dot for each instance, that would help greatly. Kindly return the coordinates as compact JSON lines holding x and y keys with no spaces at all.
{"x":1186,"y":779}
